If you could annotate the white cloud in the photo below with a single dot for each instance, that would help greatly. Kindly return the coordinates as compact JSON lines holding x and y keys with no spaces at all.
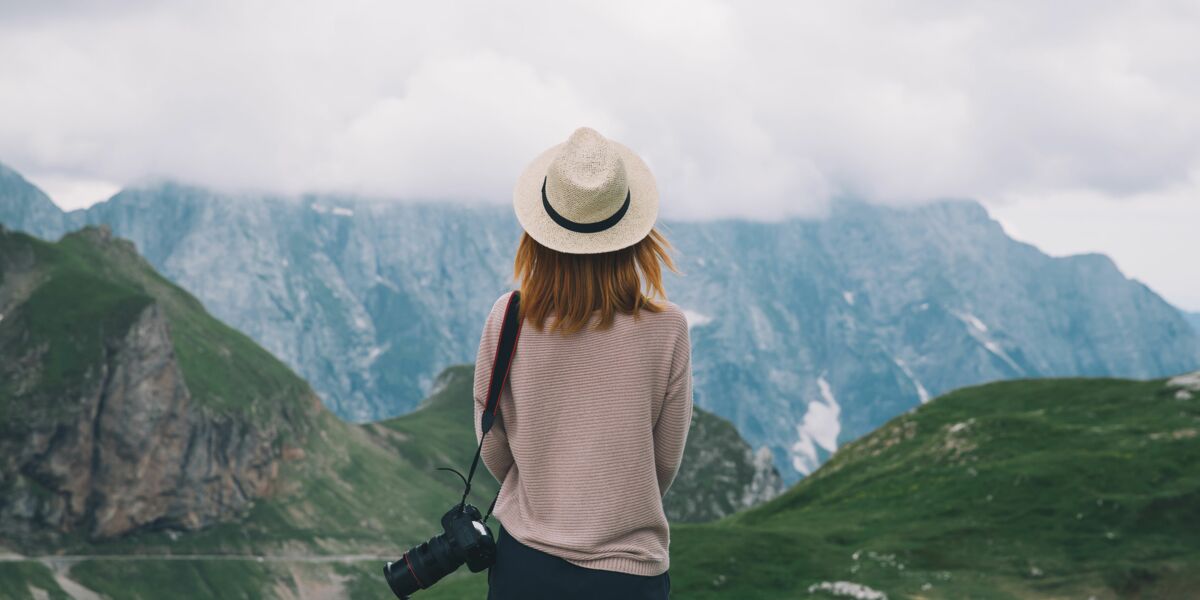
{"x":463,"y":126}
{"x":759,"y":110}
{"x":71,"y":192}
{"x":1153,"y":236}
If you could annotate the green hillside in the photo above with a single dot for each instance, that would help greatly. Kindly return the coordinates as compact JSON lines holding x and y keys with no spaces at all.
{"x":1051,"y":488}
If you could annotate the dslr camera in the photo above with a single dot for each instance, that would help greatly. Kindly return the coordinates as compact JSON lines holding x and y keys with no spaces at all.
{"x":465,"y":538}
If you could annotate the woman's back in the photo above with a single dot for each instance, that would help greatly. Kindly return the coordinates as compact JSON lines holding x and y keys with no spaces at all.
{"x":591,"y":429}
{"x":595,"y":411}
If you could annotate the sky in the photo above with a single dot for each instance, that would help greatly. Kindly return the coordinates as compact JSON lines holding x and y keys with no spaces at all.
{"x":1077,"y":123}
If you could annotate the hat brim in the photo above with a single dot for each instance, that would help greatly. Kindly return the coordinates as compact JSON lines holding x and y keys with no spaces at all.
{"x":633,"y":226}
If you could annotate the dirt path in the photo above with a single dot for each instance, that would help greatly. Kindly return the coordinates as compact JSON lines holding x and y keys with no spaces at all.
{"x":60,"y":565}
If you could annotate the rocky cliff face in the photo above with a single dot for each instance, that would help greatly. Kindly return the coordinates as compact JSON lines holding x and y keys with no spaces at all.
{"x":720,"y":473}
{"x":806,"y":334}
{"x":137,"y":453}
{"x":102,"y":435}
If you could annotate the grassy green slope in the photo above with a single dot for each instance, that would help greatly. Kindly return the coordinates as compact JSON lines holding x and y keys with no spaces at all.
{"x":22,"y":580}
{"x":1052,"y":487}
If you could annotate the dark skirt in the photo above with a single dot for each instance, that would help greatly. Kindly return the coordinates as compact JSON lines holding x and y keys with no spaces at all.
{"x":525,"y":573}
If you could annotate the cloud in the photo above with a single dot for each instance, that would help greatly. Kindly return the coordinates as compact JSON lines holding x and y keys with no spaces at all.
{"x":1150,"y":236}
{"x":463,"y":126}
{"x":761,"y":110}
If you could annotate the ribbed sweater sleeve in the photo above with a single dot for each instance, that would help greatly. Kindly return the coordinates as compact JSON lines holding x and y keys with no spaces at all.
{"x":675,"y":417}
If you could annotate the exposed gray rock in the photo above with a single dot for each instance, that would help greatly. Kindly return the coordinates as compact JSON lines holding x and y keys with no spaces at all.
{"x":720,"y":473}
{"x":134,"y":451}
{"x":1188,"y":381}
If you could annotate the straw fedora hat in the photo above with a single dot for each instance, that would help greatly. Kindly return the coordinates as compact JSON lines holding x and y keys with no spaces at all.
{"x":586,"y":195}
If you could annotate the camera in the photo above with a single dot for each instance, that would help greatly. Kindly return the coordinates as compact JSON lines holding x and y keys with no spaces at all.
{"x":465,"y":538}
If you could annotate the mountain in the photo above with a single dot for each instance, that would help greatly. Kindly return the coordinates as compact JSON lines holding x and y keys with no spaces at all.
{"x":806,"y":333}
{"x":122,"y":404}
{"x":134,"y":423}
{"x":1055,"y":488}
{"x":1194,"y":319}
{"x":23,"y":203}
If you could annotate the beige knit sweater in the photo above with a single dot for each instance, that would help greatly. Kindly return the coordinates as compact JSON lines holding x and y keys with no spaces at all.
{"x":589,"y":436}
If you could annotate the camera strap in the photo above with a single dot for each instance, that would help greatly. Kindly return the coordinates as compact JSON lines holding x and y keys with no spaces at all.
{"x":510,"y":330}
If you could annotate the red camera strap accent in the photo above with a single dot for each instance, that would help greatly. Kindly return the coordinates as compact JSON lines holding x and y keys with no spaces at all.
{"x":506,"y":349}
{"x":510,"y":329}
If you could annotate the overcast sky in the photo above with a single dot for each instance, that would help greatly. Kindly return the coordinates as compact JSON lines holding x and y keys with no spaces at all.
{"x":1076,"y":123}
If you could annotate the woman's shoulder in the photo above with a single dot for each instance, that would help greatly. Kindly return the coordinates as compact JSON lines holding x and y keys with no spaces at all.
{"x":674,"y":312}
{"x":496,"y":314}
{"x":502,"y":301}
{"x":671,"y":316}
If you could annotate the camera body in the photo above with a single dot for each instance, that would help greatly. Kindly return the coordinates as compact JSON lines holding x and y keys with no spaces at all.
{"x":471,"y":537}
{"x":465,"y":538}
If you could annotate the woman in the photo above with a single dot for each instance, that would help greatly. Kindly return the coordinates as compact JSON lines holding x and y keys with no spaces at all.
{"x":596,"y":408}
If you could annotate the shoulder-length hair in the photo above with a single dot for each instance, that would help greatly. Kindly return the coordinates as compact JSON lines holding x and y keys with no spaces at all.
{"x":572,"y":287}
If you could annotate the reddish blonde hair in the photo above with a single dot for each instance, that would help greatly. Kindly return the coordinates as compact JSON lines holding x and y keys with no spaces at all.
{"x":572,"y":287}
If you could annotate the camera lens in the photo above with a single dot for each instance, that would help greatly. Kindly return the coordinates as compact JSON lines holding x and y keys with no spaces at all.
{"x":400,"y":578}
{"x":464,"y":538}
{"x":421,"y":567}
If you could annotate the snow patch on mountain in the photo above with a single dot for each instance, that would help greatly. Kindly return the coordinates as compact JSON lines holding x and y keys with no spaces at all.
{"x":331,"y":210}
{"x":762,"y":329}
{"x":978,"y":330}
{"x":974,"y":321}
{"x":848,"y":297}
{"x":995,"y":349}
{"x":922,"y":393}
{"x":820,"y":429}
{"x":387,"y":284}
{"x":696,"y":319}
{"x":374,"y":353}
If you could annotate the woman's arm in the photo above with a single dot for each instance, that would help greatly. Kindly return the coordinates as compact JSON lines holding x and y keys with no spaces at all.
{"x":496,"y":455}
{"x":671,"y":429}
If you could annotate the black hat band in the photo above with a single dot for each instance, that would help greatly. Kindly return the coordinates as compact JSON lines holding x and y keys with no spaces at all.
{"x":578,"y":227}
